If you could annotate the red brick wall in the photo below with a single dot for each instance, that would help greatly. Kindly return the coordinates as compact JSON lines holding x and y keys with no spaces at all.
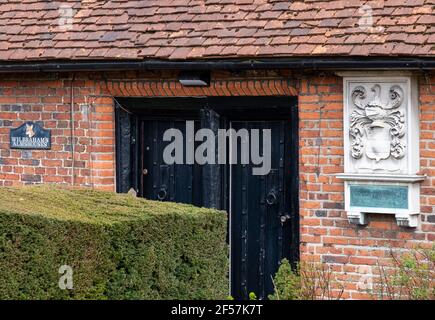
{"x":427,"y":153}
{"x":47,"y":99}
{"x":326,"y":235}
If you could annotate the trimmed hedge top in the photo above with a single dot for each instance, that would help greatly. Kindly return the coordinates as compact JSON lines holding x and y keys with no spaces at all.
{"x":88,"y":206}
{"x":118,"y":246}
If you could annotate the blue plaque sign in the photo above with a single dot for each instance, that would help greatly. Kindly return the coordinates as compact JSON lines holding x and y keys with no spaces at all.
{"x":379,"y":196}
{"x":30,"y":135}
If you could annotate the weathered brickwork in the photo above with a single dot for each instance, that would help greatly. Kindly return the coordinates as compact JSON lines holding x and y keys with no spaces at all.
{"x":326,"y":236}
{"x":325,"y":233}
{"x":90,"y":162}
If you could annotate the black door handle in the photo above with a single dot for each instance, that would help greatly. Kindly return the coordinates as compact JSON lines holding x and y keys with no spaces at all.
{"x":271,"y":198}
{"x":284,"y":218}
{"x":161,"y":195}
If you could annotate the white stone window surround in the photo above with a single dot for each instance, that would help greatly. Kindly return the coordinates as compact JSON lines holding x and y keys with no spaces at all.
{"x":406,"y":166}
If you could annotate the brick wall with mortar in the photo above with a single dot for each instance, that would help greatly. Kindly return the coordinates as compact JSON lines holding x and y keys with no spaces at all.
{"x":326,"y":236}
{"x":353,"y":252}
{"x":46,"y":99}
{"x":90,"y":161}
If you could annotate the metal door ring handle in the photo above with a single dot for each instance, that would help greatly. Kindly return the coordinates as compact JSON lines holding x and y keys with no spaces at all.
{"x":271,"y":198}
{"x":161,"y":195}
{"x":284,"y":218}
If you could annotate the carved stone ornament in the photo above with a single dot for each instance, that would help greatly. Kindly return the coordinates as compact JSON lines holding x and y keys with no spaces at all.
{"x":381,"y":143}
{"x":377,"y":127}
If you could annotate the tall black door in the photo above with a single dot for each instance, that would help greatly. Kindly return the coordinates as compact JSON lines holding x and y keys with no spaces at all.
{"x":263,"y":209}
{"x":162,"y":181}
{"x":260,"y":215}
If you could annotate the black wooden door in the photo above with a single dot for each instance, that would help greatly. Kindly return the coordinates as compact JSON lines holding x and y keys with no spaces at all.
{"x":167,"y":182}
{"x":263,"y":209}
{"x":260,"y":216}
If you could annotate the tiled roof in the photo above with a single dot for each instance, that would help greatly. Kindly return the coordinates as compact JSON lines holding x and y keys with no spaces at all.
{"x":199,"y":29}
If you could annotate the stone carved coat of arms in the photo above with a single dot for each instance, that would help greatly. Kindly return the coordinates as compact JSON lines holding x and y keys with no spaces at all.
{"x":377,"y":127}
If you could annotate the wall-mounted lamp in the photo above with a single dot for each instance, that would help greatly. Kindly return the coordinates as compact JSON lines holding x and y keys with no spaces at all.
{"x":194,"y":78}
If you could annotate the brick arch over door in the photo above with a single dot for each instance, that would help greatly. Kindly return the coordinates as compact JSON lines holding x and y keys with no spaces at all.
{"x":172,"y":88}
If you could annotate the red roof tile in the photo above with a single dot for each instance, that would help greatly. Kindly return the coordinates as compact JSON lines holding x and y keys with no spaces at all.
{"x":197,"y":29}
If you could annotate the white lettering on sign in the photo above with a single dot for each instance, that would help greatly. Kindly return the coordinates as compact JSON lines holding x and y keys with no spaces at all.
{"x":25,"y":142}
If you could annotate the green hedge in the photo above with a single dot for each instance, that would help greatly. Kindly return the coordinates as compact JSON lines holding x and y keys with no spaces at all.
{"x":119,"y":247}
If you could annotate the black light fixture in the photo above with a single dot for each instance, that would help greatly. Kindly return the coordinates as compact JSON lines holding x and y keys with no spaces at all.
{"x":194,"y":78}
